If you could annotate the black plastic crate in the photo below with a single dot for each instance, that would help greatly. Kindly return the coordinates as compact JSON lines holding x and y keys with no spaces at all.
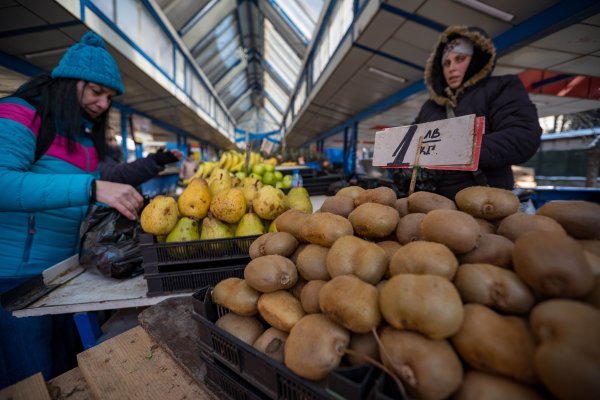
{"x":226,"y":384}
{"x":181,"y":256}
{"x":267,"y":375}
{"x":190,"y":280}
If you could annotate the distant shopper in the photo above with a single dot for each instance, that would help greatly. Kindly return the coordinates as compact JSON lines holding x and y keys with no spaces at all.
{"x":458,"y":77}
{"x":188,"y":167}
{"x":52,"y":135}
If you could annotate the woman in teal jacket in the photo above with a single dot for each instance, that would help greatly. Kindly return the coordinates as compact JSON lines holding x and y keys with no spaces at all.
{"x":52,"y":136}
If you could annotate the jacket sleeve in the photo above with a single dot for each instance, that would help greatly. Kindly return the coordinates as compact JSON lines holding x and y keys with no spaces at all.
{"x":134,"y":173}
{"x":516,"y":133}
{"x":23,"y":190}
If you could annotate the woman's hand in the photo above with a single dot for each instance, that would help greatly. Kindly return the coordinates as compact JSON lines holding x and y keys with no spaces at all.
{"x":124,"y":198}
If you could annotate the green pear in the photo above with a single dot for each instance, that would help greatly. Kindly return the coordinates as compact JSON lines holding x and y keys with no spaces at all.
{"x":160,"y":216}
{"x":250,"y":225}
{"x":229,"y":205}
{"x":272,"y":226}
{"x":269,"y":202}
{"x":212,"y":228}
{"x":299,"y":199}
{"x":250,"y":186}
{"x":194,"y":201}
{"x":186,"y":230}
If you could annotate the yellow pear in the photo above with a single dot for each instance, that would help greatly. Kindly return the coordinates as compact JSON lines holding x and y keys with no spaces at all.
{"x":195,"y":199}
{"x":229,"y":205}
{"x":160,"y":216}
{"x":269,"y":202}
{"x":250,"y":225}
{"x":298,"y":199}
{"x":212,"y":228}
{"x":250,"y":187}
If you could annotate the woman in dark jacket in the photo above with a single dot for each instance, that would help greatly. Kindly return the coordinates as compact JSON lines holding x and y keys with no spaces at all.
{"x":458,"y":78}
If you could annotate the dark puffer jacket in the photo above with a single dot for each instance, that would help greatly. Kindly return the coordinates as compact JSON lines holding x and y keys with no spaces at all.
{"x":512,"y":131}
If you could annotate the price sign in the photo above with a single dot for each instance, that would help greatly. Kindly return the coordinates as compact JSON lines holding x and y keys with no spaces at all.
{"x":267,"y":146}
{"x":452,"y":144}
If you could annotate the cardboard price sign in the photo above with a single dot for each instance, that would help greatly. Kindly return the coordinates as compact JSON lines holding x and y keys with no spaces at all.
{"x":452,"y":144}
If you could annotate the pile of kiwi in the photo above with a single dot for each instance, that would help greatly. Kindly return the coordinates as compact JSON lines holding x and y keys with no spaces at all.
{"x":468,"y":299}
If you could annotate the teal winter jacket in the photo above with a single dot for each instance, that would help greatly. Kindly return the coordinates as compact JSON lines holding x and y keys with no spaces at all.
{"x":42,"y":203}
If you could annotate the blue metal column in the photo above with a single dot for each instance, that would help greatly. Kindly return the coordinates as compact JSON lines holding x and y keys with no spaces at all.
{"x":124,"y":135}
{"x":345,"y":153}
{"x":350,"y":158}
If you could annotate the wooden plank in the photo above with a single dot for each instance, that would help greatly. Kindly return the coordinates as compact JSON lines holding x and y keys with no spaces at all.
{"x":30,"y":388}
{"x":132,"y":366}
{"x":71,"y":385}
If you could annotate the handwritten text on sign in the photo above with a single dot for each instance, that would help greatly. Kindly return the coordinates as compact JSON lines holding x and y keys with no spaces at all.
{"x":450,"y":143}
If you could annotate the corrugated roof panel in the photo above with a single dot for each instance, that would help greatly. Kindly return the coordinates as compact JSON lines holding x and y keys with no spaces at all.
{"x":274,"y":91}
{"x":302,"y":14}
{"x":273,"y":111}
{"x":280,"y":56}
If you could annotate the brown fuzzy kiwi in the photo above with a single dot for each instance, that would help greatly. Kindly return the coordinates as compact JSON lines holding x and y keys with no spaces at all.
{"x":353,"y":255}
{"x":247,"y":329}
{"x":423,"y":202}
{"x":593,"y":246}
{"x":422,"y":258}
{"x":315,"y":346}
{"x":311,"y":262}
{"x":455,"y":229}
{"x":427,"y":304}
{"x":491,"y":249}
{"x":373,"y":220}
{"x":291,"y":221}
{"x":482,"y":386}
{"x":409,"y":228}
{"x":280,"y":309}
{"x":272,"y":343}
{"x":491,"y":342}
{"x":296,"y":290}
{"x":486,"y":226}
{"x":350,"y":191}
{"x":237,"y":295}
{"x":390,"y":247}
{"x":358,"y":312}
{"x":382,"y":195}
{"x":309,"y":297}
{"x":517,"y":224}
{"x":339,"y":205}
{"x":552,"y":263}
{"x":363,"y":343}
{"x":401,"y":206}
{"x":581,"y":219}
{"x":495,"y":287}
{"x":487,"y":202}
{"x":567,"y":358}
{"x":429,"y":369}
{"x":325,"y":228}
{"x":270,"y":273}
{"x":281,"y":243}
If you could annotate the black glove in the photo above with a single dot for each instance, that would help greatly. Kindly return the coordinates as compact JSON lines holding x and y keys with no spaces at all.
{"x":163,"y":158}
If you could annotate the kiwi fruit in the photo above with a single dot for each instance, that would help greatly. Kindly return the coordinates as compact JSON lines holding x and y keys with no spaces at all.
{"x":247,"y":329}
{"x":309,"y":297}
{"x":593,"y":246}
{"x":390,"y":247}
{"x":353,"y":255}
{"x":455,"y":229}
{"x":490,"y":249}
{"x":429,"y":369}
{"x":486,"y":226}
{"x":296,"y":290}
{"x":401,"y":206}
{"x":423,"y":202}
{"x":311,"y":262}
{"x":359,"y":312}
{"x":581,"y":219}
{"x":270,"y":273}
{"x":487,"y":202}
{"x":281,"y":243}
{"x":315,"y":346}
{"x":364,"y":344}
{"x":272,"y":343}
{"x":495,"y":287}
{"x":350,"y":191}
{"x":382,"y":195}
{"x":373,"y":220}
{"x":483,"y":386}
{"x":409,"y":228}
{"x":280,"y":309}
{"x":325,"y":228}
{"x":422,"y":258}
{"x":237,"y":295}
{"x":491,"y":342}
{"x":517,"y":224}
{"x":291,"y":221}
{"x":427,"y":304}
{"x":339,"y":205}
{"x":553,"y":263}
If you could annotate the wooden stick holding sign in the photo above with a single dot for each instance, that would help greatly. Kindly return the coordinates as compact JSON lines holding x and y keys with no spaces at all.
{"x":413,"y":178}
{"x":449,"y":144}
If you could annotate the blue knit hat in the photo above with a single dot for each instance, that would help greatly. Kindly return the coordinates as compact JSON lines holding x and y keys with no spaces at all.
{"x":90,"y":61}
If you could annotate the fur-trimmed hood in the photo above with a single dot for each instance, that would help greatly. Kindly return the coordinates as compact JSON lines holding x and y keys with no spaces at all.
{"x":482,"y":64}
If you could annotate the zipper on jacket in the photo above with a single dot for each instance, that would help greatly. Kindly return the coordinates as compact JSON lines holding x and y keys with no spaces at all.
{"x":29,"y":240}
{"x":87,"y":159}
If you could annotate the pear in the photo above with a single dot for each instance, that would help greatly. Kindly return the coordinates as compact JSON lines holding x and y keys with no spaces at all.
{"x":269,"y":202}
{"x":250,"y":225}
{"x":272,"y":227}
{"x":160,"y":216}
{"x":219,"y":185}
{"x":185,"y":230}
{"x":250,"y":187}
{"x":229,"y":205}
{"x":195,"y":199}
{"x":299,"y":199}
{"x":212,"y":228}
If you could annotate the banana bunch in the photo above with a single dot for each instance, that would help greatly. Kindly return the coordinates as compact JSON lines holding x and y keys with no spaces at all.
{"x":204,"y":170}
{"x":233,"y":161}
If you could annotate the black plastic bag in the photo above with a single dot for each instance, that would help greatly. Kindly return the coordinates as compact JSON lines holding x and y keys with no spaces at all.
{"x":110,"y":242}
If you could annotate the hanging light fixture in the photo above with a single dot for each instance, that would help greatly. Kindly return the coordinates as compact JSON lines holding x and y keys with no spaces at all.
{"x":487,"y":9}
